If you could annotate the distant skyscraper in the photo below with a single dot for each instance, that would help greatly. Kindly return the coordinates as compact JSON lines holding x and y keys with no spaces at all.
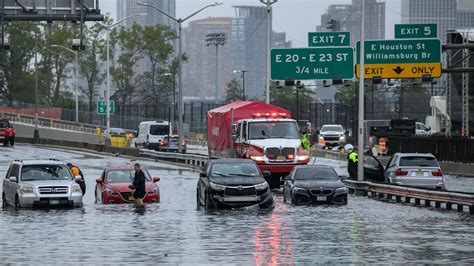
{"x":199,"y":70}
{"x":126,"y":8}
{"x":249,"y":41}
{"x":279,"y":40}
{"x":348,"y":17}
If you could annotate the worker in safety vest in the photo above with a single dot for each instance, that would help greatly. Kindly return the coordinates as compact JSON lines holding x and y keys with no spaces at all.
{"x":352,"y":160}
{"x":305,"y":142}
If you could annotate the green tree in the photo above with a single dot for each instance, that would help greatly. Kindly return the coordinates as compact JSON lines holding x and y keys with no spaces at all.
{"x":124,"y":77}
{"x":91,"y":65}
{"x":233,"y":92}
{"x":346,"y":94}
{"x":158,"y":49}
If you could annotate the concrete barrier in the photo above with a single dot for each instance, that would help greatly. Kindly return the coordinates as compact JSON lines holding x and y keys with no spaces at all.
{"x":26,"y":131}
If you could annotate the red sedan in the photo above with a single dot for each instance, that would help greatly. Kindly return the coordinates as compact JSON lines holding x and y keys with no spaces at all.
{"x":112,"y":187}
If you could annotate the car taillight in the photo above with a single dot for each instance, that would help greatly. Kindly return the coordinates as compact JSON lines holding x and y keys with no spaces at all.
{"x":162,"y":143}
{"x":437,"y":173}
{"x":290,"y":156}
{"x":400,"y":172}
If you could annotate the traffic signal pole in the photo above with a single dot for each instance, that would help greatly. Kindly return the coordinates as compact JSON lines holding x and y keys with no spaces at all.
{"x":360,"y":143}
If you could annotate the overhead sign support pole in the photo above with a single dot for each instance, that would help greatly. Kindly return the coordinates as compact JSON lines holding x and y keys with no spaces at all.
{"x":360,"y":132}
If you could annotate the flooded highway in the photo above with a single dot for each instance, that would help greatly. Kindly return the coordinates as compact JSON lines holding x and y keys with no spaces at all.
{"x":175,"y":232}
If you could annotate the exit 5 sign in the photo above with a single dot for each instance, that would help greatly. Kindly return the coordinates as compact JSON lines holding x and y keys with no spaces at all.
{"x":413,"y":31}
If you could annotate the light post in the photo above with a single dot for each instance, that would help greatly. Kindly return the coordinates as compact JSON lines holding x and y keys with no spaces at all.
{"x":173,"y":117}
{"x":243,"y":82}
{"x":76,"y":93}
{"x":108,"y":28}
{"x":269,"y":4}
{"x":216,"y":39}
{"x":360,"y":133}
{"x":180,"y":85}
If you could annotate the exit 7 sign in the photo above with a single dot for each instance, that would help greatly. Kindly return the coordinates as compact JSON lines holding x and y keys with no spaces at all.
{"x":321,"y":39}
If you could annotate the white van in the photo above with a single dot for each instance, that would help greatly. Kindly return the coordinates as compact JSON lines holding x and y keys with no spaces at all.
{"x":151,"y":133}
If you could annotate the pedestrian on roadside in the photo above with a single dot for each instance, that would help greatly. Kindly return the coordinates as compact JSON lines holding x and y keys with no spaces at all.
{"x":139,"y":185}
{"x":305,"y":142}
{"x":128,"y":139}
{"x":76,"y":171}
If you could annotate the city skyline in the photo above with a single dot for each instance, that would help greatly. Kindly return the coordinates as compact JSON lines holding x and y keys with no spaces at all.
{"x":287,"y":14}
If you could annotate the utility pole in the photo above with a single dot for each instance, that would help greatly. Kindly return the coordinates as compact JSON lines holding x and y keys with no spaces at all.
{"x":243,"y":82}
{"x":360,"y":143}
{"x":216,"y":39}
{"x":269,"y":4}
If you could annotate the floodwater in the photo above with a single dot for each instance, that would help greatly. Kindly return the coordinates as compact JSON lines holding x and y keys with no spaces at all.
{"x":175,"y":231}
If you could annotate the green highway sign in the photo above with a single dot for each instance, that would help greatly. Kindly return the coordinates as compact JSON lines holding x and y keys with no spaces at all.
{"x":413,"y":31}
{"x":410,"y":58}
{"x":312,"y":63}
{"x":401,"y":51}
{"x":321,"y":39}
{"x":102,"y":107}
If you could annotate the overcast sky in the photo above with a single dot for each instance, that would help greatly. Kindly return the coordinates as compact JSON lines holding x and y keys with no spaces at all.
{"x":295,"y":17}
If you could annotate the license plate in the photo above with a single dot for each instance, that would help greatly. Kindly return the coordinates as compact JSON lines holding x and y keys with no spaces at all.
{"x":420,"y":173}
{"x":2,"y":137}
{"x":281,"y":158}
{"x":54,"y":202}
{"x":321,"y":198}
{"x":240,"y":199}
{"x":131,"y":198}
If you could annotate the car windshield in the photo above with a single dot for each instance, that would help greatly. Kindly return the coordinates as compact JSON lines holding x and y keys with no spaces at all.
{"x":159,"y":130}
{"x":418,"y":161}
{"x":315,"y":173}
{"x":264,"y":130}
{"x":331,"y":128}
{"x":124,"y":176}
{"x":234,"y":169}
{"x":45,"y":172}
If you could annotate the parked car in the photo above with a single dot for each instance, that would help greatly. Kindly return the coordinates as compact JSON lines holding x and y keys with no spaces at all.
{"x":151,"y":133}
{"x":373,"y":169}
{"x":314,"y":184}
{"x":233,"y":183}
{"x":41,"y":183}
{"x":7,"y":133}
{"x":170,"y":143}
{"x":415,"y":170}
{"x":112,"y":187}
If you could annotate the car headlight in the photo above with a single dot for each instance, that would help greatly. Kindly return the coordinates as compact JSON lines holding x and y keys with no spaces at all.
{"x":257,"y":158}
{"x":342,"y":138}
{"x":300,"y":190}
{"x":109,"y":191}
{"x":262,"y":186}
{"x":76,"y":189}
{"x":154,"y":190}
{"x":341,"y":190}
{"x":321,"y":138}
{"x":302,"y":157}
{"x":216,"y":186}
{"x":27,"y":189}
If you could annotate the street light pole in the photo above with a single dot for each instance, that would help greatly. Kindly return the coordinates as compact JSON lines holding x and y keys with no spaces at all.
{"x":76,"y":93}
{"x":108,"y":28}
{"x":180,"y":70}
{"x":269,"y":4}
{"x":360,"y":151}
{"x":36,"y":132}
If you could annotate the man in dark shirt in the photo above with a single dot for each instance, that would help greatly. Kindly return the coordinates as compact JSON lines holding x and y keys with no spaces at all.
{"x":139,"y":185}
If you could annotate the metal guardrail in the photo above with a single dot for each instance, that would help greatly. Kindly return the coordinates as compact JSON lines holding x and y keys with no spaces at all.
{"x":420,"y":197}
{"x":51,"y":123}
{"x":194,"y":160}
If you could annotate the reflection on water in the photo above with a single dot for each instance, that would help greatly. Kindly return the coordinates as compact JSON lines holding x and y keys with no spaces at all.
{"x":174,"y":231}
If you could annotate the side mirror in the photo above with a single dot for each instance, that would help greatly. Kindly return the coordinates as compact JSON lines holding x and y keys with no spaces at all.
{"x":13,"y":179}
{"x":428,"y":128}
{"x":317,"y":132}
{"x":202,"y":175}
{"x":156,"y":179}
{"x":287,"y":177}
{"x":77,"y":178}
{"x":266,"y":173}
{"x":99,"y":181}
{"x":346,"y":132}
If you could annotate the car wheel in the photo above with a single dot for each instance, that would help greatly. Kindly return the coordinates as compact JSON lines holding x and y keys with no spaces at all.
{"x":208,"y":203}
{"x":17,"y":203}
{"x":4,"y":201}
{"x":102,"y":199}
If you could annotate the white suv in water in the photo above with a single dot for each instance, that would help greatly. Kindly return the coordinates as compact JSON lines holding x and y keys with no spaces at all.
{"x":40,"y":183}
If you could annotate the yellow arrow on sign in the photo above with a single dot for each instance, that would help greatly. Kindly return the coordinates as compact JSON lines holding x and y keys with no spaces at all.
{"x":394,"y":71}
